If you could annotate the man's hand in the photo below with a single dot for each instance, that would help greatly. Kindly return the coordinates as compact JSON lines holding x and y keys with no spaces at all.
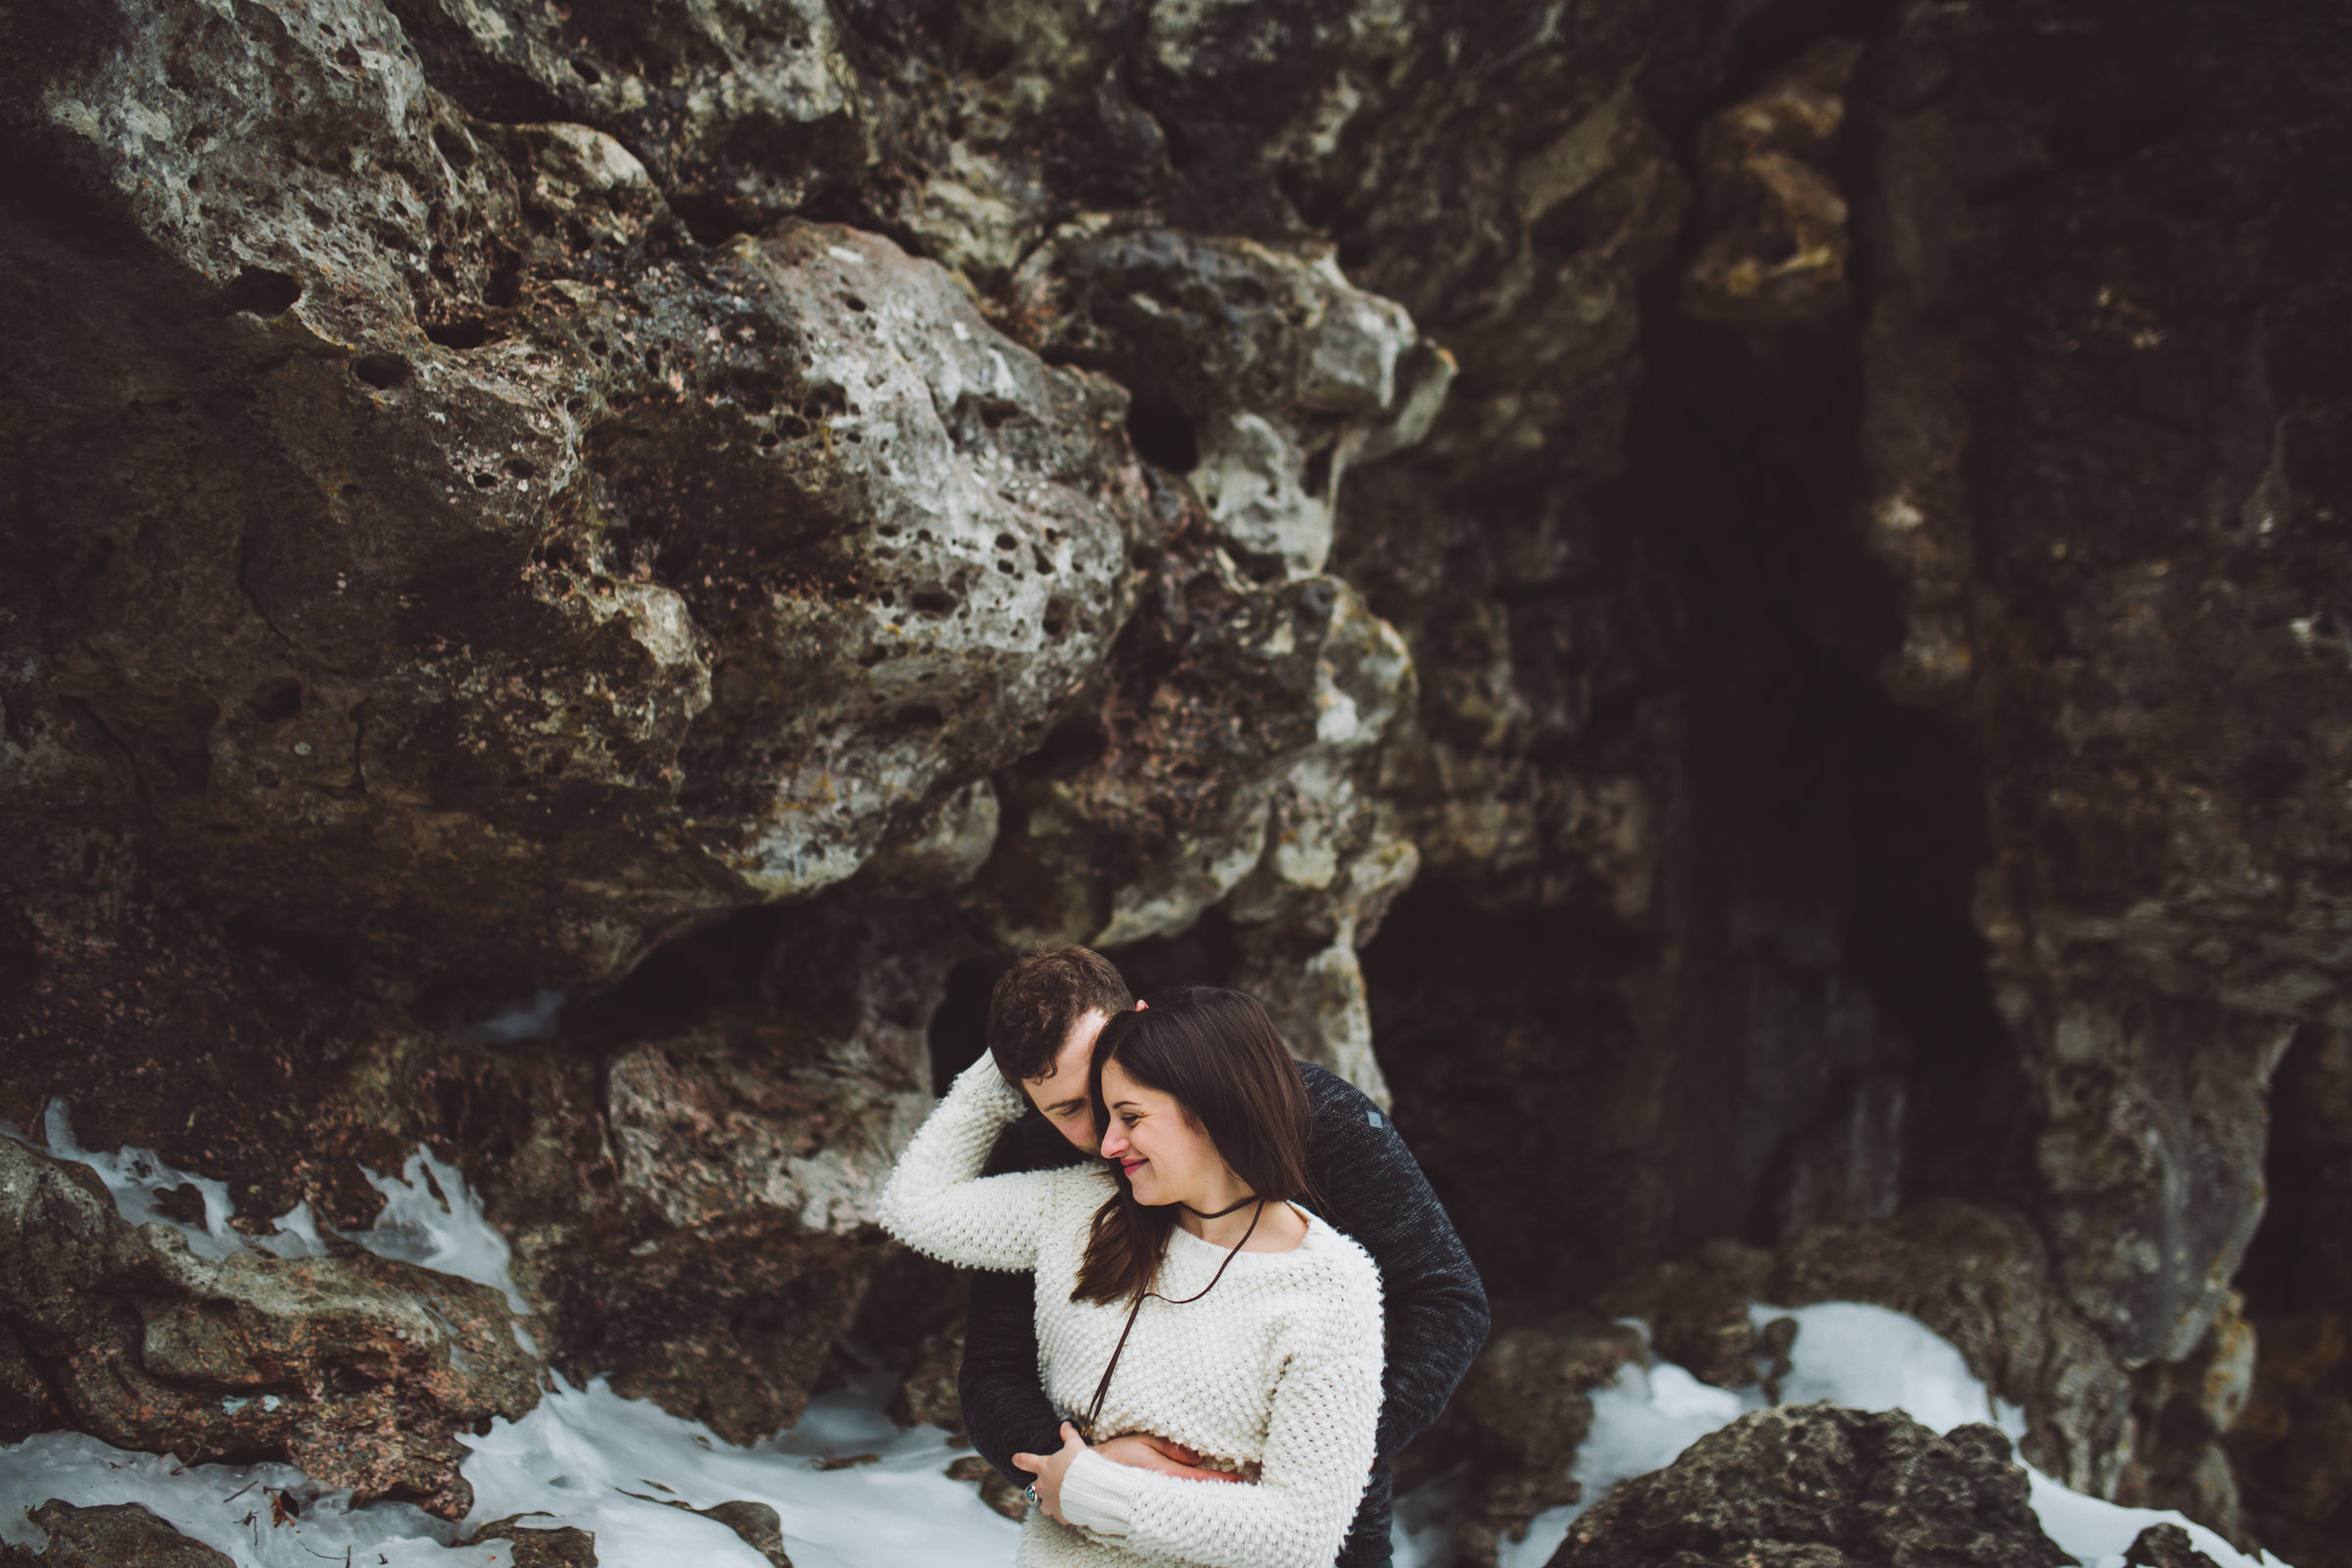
{"x":1144,"y":1451}
{"x":1050,"y":1468}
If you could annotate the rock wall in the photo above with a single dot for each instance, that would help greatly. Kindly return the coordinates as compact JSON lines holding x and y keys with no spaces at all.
{"x":1736,"y":607}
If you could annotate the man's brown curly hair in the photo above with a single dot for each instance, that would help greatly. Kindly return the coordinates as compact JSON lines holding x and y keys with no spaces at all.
{"x":1037,"y":1001}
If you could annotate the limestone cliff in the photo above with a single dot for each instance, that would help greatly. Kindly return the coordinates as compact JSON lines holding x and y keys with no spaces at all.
{"x":1740,"y":609}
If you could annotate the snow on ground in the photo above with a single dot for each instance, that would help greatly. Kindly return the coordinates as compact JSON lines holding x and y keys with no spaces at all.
{"x":588,"y":1457}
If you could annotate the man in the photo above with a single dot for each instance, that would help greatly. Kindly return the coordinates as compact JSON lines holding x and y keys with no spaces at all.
{"x":1042,"y":1022}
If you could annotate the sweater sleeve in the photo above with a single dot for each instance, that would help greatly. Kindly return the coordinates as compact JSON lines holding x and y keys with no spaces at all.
{"x":1005,"y":1405}
{"x":1318,"y":1453}
{"x":937,"y":1202}
{"x":1374,"y":1191}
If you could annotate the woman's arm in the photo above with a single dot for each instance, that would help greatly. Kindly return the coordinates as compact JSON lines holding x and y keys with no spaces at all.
{"x":937,"y":1202}
{"x":1319,"y":1446}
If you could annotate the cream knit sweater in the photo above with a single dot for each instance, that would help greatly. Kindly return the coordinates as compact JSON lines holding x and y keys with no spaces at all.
{"x":1277,"y":1370}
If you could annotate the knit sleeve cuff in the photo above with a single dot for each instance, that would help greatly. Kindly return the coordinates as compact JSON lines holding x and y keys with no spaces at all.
{"x":1099,"y":1494}
{"x":984,"y":1089}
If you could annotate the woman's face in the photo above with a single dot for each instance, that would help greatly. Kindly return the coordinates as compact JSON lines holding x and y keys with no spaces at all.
{"x":1168,"y":1156}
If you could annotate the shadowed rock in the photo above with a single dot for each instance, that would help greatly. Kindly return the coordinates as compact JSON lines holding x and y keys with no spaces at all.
{"x":1519,"y":1417}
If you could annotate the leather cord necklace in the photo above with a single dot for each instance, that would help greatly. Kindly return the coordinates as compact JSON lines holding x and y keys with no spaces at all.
{"x":1086,"y":1427}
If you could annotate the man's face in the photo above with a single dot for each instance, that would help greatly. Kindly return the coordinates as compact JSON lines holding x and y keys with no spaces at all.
{"x":1060,"y":1094}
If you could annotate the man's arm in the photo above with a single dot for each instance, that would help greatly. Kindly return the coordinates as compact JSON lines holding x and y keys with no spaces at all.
{"x":1005,"y":1405}
{"x":1436,"y":1309}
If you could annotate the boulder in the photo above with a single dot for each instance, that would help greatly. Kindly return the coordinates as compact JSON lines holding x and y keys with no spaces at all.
{"x":553,"y":1546}
{"x":2165,"y":1547}
{"x":120,"y":1536}
{"x":1984,"y":1279}
{"x":359,"y":1371}
{"x":1821,"y":1487}
{"x":759,"y":1525}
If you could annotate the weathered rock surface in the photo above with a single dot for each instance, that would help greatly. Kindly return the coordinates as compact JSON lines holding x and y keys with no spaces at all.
{"x":359,"y":1371}
{"x":1823,"y":748}
{"x":759,"y":1525}
{"x":1821,"y":1488}
{"x":537,"y":1545}
{"x":2097,"y":460}
{"x":603,"y":561}
{"x":120,"y":1536}
{"x":2164,"y":1547}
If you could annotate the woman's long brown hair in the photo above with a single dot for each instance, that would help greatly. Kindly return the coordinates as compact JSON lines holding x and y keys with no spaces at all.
{"x":1218,"y":1055}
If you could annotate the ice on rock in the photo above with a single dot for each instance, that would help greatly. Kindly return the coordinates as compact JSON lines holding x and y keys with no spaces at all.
{"x":138,"y":1179}
{"x":431,"y":1217}
{"x":230,"y":1507}
{"x":591,"y":1458}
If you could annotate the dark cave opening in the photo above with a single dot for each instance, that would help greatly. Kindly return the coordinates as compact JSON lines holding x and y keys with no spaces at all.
{"x":2297,"y":1282}
{"x":1800,"y":1029}
{"x":1836,"y":834}
{"x":1161,"y":433}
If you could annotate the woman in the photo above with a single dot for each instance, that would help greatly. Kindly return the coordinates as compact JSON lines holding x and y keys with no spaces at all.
{"x":1180,"y":1291}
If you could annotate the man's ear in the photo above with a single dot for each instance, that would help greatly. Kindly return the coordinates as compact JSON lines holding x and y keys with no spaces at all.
{"x":1141,"y":1005}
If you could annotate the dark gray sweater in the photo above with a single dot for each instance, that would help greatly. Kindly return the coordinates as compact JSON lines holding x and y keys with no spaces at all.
{"x":1372,"y":1190}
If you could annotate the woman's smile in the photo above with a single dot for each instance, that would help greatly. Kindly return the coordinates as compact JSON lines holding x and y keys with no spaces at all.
{"x":1166,"y":1155}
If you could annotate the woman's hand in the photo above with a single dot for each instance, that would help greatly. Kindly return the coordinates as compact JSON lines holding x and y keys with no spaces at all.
{"x":1051,"y":1468}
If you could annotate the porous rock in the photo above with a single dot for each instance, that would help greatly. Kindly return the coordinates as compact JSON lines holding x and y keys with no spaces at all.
{"x":1117,"y":833}
{"x":1983,"y":1280}
{"x":359,"y":1372}
{"x":25,"y":1403}
{"x":1260,"y":374}
{"x":2165,"y":1547}
{"x":533,"y":1545}
{"x":927,"y":1388}
{"x":758,"y":1525}
{"x":1822,"y":1487}
{"x":594,"y":560}
{"x":118,"y":1535}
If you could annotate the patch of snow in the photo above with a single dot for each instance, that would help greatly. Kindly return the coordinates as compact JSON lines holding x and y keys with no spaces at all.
{"x":590,"y":1457}
{"x":431,"y":1217}
{"x":230,"y":1507}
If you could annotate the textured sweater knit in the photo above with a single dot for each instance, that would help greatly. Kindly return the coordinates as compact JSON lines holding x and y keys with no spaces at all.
{"x":1276,"y":1372}
{"x":1370,"y":1190}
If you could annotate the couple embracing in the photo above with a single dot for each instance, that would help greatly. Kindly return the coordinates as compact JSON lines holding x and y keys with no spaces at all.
{"x":1218,"y":1295}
